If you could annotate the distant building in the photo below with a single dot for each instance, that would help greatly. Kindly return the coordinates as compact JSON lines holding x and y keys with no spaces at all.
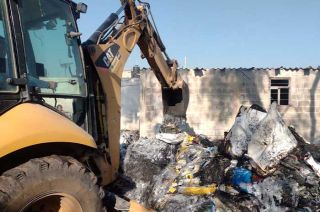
{"x":136,"y":71}
{"x":217,"y":94}
{"x":126,"y":74}
{"x":133,"y":73}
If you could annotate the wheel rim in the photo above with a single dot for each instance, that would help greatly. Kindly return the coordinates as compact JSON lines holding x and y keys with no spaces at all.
{"x":57,"y":202}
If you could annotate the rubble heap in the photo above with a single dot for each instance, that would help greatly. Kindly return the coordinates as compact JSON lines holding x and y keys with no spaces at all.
{"x":262,"y":165}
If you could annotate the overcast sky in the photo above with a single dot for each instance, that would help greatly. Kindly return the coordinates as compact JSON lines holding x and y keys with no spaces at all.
{"x":228,"y":33}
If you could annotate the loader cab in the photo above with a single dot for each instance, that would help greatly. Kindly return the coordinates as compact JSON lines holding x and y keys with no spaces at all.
{"x":8,"y":92}
{"x":42,"y":59}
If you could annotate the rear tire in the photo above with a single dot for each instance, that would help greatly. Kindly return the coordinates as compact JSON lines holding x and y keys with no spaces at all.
{"x":49,"y":184}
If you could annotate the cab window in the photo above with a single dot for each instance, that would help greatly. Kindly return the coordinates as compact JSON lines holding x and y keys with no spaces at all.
{"x":53,"y":57}
{"x":6,"y":65}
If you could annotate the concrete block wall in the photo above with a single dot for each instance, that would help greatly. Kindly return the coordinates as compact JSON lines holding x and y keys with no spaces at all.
{"x":217,"y":94}
{"x":151,"y":107}
{"x":303,"y":111}
{"x":130,"y":103}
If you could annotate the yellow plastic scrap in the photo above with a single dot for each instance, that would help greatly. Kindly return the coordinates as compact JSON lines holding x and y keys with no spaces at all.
{"x":189,"y":176}
{"x":202,"y":190}
{"x":181,"y":150}
{"x":172,"y":189}
{"x":178,"y":170}
{"x":190,"y":139}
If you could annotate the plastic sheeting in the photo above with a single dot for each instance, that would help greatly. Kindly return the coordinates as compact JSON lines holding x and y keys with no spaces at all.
{"x":275,"y":170}
{"x":245,"y":125}
{"x":271,"y":141}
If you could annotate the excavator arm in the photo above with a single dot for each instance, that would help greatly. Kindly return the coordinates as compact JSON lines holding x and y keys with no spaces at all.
{"x":108,"y":49}
{"x":174,"y":89}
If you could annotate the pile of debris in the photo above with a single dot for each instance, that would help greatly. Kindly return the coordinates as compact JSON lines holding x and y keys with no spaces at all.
{"x":127,"y":137}
{"x":262,"y":165}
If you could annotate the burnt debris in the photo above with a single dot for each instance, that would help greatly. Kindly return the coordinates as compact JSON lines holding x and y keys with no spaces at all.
{"x":261,"y":165}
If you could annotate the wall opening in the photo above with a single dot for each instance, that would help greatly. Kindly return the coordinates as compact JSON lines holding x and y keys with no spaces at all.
{"x":280,"y":91}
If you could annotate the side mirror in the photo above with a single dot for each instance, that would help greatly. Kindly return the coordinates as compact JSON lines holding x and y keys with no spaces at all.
{"x":82,"y":7}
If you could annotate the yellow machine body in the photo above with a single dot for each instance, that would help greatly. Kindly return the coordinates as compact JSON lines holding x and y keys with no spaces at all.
{"x":30,"y":124}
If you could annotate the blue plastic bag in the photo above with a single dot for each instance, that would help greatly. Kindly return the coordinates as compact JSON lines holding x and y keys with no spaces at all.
{"x":241,"y":177}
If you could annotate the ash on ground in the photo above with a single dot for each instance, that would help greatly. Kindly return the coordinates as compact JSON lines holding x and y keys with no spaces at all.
{"x":261,"y":165}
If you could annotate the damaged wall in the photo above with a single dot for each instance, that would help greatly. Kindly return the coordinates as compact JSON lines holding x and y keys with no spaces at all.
{"x":217,"y":94}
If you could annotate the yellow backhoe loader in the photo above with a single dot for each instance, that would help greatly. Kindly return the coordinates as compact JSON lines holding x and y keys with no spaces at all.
{"x":60,"y":100}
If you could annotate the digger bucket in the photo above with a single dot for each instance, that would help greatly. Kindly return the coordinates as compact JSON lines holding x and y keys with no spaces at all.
{"x":176,"y":101}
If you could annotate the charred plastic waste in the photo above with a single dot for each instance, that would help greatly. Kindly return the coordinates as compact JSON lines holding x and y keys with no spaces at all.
{"x":261,"y":165}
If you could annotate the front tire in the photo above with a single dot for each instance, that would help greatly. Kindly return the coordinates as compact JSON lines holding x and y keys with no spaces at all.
{"x":54,"y":183}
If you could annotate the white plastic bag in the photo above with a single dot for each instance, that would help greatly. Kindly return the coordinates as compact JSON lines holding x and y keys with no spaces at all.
{"x":271,"y":142}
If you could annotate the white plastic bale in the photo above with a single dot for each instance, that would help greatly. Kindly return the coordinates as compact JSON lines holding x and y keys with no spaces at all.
{"x":243,"y":128}
{"x":271,"y":142}
{"x":171,"y":138}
